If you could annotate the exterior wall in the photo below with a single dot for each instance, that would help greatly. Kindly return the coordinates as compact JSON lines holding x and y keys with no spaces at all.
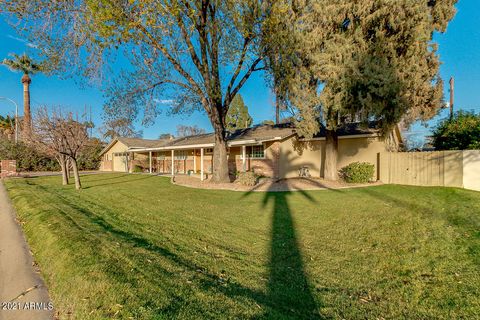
{"x":183,"y":166}
{"x":439,"y":168}
{"x":361,"y":150}
{"x":295,"y":154}
{"x":8,"y":168}
{"x":138,"y":159}
{"x":113,"y":164}
{"x":471,"y":169}
{"x":268,"y":166}
{"x":106,"y":165}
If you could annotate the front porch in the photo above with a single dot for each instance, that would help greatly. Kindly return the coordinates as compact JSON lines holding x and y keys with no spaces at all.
{"x":199,"y":161}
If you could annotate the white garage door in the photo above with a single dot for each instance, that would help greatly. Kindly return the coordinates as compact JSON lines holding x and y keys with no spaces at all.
{"x":120,"y":162}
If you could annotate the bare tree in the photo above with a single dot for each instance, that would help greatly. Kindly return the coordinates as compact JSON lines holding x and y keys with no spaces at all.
{"x":119,"y":127}
{"x":185,"y":131}
{"x":62,"y":136}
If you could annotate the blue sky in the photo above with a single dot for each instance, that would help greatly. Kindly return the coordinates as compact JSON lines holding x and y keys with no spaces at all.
{"x":459,"y":50}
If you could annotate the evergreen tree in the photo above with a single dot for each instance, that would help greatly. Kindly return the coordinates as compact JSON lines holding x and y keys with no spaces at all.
{"x":238,"y":116}
{"x":363,"y":60}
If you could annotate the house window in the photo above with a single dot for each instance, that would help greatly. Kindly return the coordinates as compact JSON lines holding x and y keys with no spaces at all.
{"x":258,"y":152}
{"x":120,"y":154}
{"x":181,"y":155}
{"x":161,"y":156}
{"x":208,"y":151}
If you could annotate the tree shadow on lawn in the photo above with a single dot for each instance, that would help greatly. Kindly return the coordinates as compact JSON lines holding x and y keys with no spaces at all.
{"x":289,"y":292}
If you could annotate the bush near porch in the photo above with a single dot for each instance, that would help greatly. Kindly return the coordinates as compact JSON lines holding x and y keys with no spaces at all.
{"x":135,"y":246}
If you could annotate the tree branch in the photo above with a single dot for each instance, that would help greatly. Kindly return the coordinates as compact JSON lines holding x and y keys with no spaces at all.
{"x":229,"y":97}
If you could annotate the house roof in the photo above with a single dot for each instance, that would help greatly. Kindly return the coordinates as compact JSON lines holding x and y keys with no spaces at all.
{"x":253,"y":135}
{"x":200,"y":139}
{"x":263,"y":132}
{"x":143,"y":143}
{"x":351,"y":129}
{"x":136,"y":143}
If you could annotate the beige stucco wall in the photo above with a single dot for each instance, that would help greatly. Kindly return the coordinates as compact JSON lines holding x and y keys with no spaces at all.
{"x":295,"y":154}
{"x":117,"y":166}
{"x":471,"y":169}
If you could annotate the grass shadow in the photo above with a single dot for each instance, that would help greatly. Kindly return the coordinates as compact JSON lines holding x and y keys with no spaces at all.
{"x":464,"y":223}
{"x":89,"y":186}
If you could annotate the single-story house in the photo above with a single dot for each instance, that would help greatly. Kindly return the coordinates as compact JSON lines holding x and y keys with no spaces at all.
{"x":269,"y":150}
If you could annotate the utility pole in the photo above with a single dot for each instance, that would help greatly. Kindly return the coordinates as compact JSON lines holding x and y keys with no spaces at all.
{"x":452,"y":96}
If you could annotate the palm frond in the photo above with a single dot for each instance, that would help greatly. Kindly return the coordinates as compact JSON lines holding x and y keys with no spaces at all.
{"x":22,"y":63}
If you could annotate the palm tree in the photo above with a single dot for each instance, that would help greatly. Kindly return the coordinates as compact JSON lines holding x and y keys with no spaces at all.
{"x":7,"y":125}
{"x":26,"y":65}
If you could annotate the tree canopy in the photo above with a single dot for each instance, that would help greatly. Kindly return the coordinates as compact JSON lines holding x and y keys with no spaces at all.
{"x":368,"y":60}
{"x":358,"y":61}
{"x":462,"y":132}
{"x":198,"y":52}
{"x":238,"y":116}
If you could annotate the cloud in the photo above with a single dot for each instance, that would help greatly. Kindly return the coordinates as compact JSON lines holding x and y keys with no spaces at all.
{"x":28,"y":44}
{"x":164,"y":101}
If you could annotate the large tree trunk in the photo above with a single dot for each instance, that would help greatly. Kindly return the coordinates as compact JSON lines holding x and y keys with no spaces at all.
{"x":27,"y":118}
{"x":277,"y":107}
{"x":220,"y":157}
{"x":64,"y":165}
{"x":76,"y":175}
{"x":331,"y":155}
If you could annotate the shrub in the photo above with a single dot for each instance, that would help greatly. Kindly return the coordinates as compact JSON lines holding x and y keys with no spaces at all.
{"x":358,"y":172}
{"x":27,"y":157}
{"x":89,"y":158}
{"x":247,"y":178}
{"x":137,"y":168}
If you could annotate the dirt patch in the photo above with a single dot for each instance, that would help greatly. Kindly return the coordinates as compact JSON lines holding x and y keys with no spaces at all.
{"x":267,"y":184}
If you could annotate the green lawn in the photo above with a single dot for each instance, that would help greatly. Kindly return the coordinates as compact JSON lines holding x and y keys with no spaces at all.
{"x":135,"y":246}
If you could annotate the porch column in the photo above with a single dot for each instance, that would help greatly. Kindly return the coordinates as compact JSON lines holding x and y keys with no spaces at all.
{"x":173,"y":163}
{"x":194,"y":161}
{"x":244,"y":160}
{"x":150,"y":160}
{"x":201,"y":164}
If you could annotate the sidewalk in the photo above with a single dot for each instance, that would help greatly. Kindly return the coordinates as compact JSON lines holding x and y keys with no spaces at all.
{"x":21,"y":286}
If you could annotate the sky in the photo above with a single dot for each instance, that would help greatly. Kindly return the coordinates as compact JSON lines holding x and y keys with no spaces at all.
{"x":459,"y":50}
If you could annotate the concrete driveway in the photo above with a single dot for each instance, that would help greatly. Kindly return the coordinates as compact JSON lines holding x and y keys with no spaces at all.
{"x":23,"y":295}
